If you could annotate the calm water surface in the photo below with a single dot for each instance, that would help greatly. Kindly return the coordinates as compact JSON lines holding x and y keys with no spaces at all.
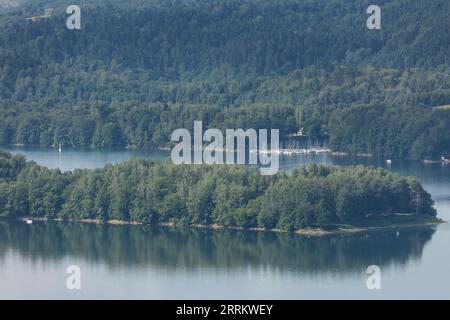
{"x":168,"y":263}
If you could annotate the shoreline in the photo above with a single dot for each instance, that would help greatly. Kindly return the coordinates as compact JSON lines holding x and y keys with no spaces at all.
{"x":168,"y":149}
{"x":309,"y":232}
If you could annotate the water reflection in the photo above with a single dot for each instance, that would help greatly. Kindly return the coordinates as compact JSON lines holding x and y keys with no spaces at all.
{"x":187,"y":249}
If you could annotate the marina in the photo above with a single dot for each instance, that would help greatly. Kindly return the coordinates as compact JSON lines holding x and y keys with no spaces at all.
{"x":289,"y":152}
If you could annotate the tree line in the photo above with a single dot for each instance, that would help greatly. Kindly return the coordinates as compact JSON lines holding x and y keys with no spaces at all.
{"x":149,"y":192}
{"x":312,"y":64}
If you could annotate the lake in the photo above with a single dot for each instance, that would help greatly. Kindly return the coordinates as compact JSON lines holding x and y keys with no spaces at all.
{"x":139,"y":262}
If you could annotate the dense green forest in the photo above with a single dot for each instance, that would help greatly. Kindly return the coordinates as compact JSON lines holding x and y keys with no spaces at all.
{"x":139,"y":69}
{"x":231,"y":196}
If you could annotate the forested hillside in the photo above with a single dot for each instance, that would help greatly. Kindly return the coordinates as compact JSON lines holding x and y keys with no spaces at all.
{"x":144,"y":191}
{"x":139,"y":69}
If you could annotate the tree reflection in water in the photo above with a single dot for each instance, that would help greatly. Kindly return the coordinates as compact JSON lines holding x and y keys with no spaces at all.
{"x":190,"y":249}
